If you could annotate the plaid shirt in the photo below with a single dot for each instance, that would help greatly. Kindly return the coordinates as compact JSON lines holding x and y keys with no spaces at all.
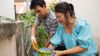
{"x":50,"y":23}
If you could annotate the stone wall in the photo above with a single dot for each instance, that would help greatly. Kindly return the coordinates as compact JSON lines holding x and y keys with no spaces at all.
{"x":11,"y":39}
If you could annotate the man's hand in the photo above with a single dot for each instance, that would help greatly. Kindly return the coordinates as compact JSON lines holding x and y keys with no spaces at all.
{"x":33,"y":39}
{"x":34,"y":43}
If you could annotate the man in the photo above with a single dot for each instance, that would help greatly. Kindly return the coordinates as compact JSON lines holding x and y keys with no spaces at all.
{"x":43,"y":15}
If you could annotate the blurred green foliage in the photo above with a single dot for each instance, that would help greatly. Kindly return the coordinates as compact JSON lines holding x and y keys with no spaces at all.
{"x":41,"y":35}
{"x":52,"y":5}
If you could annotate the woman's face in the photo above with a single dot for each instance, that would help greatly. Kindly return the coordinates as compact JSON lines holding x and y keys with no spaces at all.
{"x":60,"y":17}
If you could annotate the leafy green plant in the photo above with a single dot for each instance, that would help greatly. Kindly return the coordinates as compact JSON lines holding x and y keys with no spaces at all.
{"x":41,"y":36}
{"x":28,"y":18}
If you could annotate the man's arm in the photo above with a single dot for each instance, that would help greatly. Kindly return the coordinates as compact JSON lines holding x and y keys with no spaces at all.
{"x":33,"y":33}
{"x":51,"y":46}
{"x":54,"y":25}
{"x":48,"y":42}
{"x":34,"y":28}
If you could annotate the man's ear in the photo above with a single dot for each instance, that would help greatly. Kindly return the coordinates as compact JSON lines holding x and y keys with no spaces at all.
{"x":44,"y":6}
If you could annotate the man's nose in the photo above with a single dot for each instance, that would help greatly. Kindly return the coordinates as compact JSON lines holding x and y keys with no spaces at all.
{"x":58,"y":20}
{"x":37,"y":13}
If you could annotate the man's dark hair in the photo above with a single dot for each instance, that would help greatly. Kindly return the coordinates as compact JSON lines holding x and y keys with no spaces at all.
{"x":35,"y":3}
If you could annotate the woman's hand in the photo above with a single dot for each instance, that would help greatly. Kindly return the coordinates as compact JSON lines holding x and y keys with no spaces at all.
{"x":74,"y":50}
{"x":58,"y":53}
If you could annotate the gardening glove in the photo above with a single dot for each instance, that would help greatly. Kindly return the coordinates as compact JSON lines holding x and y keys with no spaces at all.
{"x":34,"y":43}
{"x":33,"y":39}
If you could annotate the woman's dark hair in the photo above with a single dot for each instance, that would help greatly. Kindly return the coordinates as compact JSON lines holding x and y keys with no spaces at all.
{"x":63,"y":7}
{"x":35,"y":3}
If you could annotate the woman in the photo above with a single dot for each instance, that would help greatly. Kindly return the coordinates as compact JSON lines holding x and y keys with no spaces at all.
{"x":74,"y":32}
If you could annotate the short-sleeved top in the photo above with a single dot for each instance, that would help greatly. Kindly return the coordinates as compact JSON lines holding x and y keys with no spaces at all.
{"x":81,"y":36}
{"x":50,"y":22}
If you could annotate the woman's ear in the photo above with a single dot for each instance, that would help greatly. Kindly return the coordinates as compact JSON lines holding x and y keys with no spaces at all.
{"x":68,"y":13}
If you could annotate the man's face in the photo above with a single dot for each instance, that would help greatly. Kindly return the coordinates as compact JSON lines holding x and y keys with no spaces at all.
{"x":41,"y":11}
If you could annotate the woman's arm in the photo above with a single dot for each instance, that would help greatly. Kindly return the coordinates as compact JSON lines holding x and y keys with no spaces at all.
{"x":74,"y":50}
